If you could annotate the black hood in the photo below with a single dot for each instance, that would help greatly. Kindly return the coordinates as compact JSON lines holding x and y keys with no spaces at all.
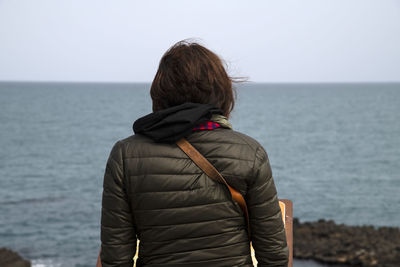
{"x":171,"y":124}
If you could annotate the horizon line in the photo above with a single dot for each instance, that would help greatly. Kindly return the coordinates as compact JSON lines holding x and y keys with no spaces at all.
{"x":149,"y":82}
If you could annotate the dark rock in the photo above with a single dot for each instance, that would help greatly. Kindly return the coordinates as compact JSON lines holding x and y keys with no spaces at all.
{"x":9,"y":258}
{"x":328,"y":242}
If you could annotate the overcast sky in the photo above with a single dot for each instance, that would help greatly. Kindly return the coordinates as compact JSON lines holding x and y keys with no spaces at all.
{"x":267,"y":41}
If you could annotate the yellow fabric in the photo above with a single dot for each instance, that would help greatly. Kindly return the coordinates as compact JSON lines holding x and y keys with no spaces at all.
{"x":221,"y":120}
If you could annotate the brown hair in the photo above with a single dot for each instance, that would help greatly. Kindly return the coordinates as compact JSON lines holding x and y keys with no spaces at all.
{"x":189,"y":72}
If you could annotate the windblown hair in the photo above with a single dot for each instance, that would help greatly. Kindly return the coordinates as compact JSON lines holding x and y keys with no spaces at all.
{"x":189,"y":72}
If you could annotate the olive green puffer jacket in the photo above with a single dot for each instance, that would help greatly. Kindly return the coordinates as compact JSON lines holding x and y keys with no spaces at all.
{"x":154,"y":192}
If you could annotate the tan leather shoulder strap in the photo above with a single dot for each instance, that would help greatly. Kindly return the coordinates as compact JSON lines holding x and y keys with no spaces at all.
{"x":213,"y":173}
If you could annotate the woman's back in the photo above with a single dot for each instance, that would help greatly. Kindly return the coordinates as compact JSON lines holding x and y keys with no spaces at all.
{"x":184,"y":218}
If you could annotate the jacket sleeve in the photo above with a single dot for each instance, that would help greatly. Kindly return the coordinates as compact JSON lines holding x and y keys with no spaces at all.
{"x":267,"y":228}
{"x":118,"y":236}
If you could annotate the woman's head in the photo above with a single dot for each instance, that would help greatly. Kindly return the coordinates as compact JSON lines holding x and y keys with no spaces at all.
{"x":189,"y":72}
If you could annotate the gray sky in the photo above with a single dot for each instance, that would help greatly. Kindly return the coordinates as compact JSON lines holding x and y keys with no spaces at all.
{"x":267,"y":41}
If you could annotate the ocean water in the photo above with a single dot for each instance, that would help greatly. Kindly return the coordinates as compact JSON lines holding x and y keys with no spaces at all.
{"x":334,"y":150}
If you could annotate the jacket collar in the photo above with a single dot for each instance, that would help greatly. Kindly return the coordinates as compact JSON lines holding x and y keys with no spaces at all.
{"x":221,"y":120}
{"x":171,"y":124}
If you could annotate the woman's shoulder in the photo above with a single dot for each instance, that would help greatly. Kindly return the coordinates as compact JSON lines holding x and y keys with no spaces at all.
{"x":234,"y":137}
{"x":229,"y":140}
{"x":138,"y":145}
{"x":130,"y":141}
{"x":252,"y":142}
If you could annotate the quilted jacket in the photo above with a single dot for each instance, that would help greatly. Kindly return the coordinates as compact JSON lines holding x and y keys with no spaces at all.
{"x":153,"y":192}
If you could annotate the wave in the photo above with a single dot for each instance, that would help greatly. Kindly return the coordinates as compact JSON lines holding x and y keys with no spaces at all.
{"x":32,"y":200}
{"x":45,"y":263}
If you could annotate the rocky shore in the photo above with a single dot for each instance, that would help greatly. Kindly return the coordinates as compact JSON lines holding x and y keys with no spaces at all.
{"x":332,"y":243}
{"x":9,"y":258}
{"x":323,"y":241}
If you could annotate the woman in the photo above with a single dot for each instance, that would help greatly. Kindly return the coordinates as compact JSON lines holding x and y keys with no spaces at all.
{"x":155,"y":193}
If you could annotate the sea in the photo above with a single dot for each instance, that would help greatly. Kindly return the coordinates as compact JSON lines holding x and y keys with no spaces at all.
{"x":334,"y":151}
